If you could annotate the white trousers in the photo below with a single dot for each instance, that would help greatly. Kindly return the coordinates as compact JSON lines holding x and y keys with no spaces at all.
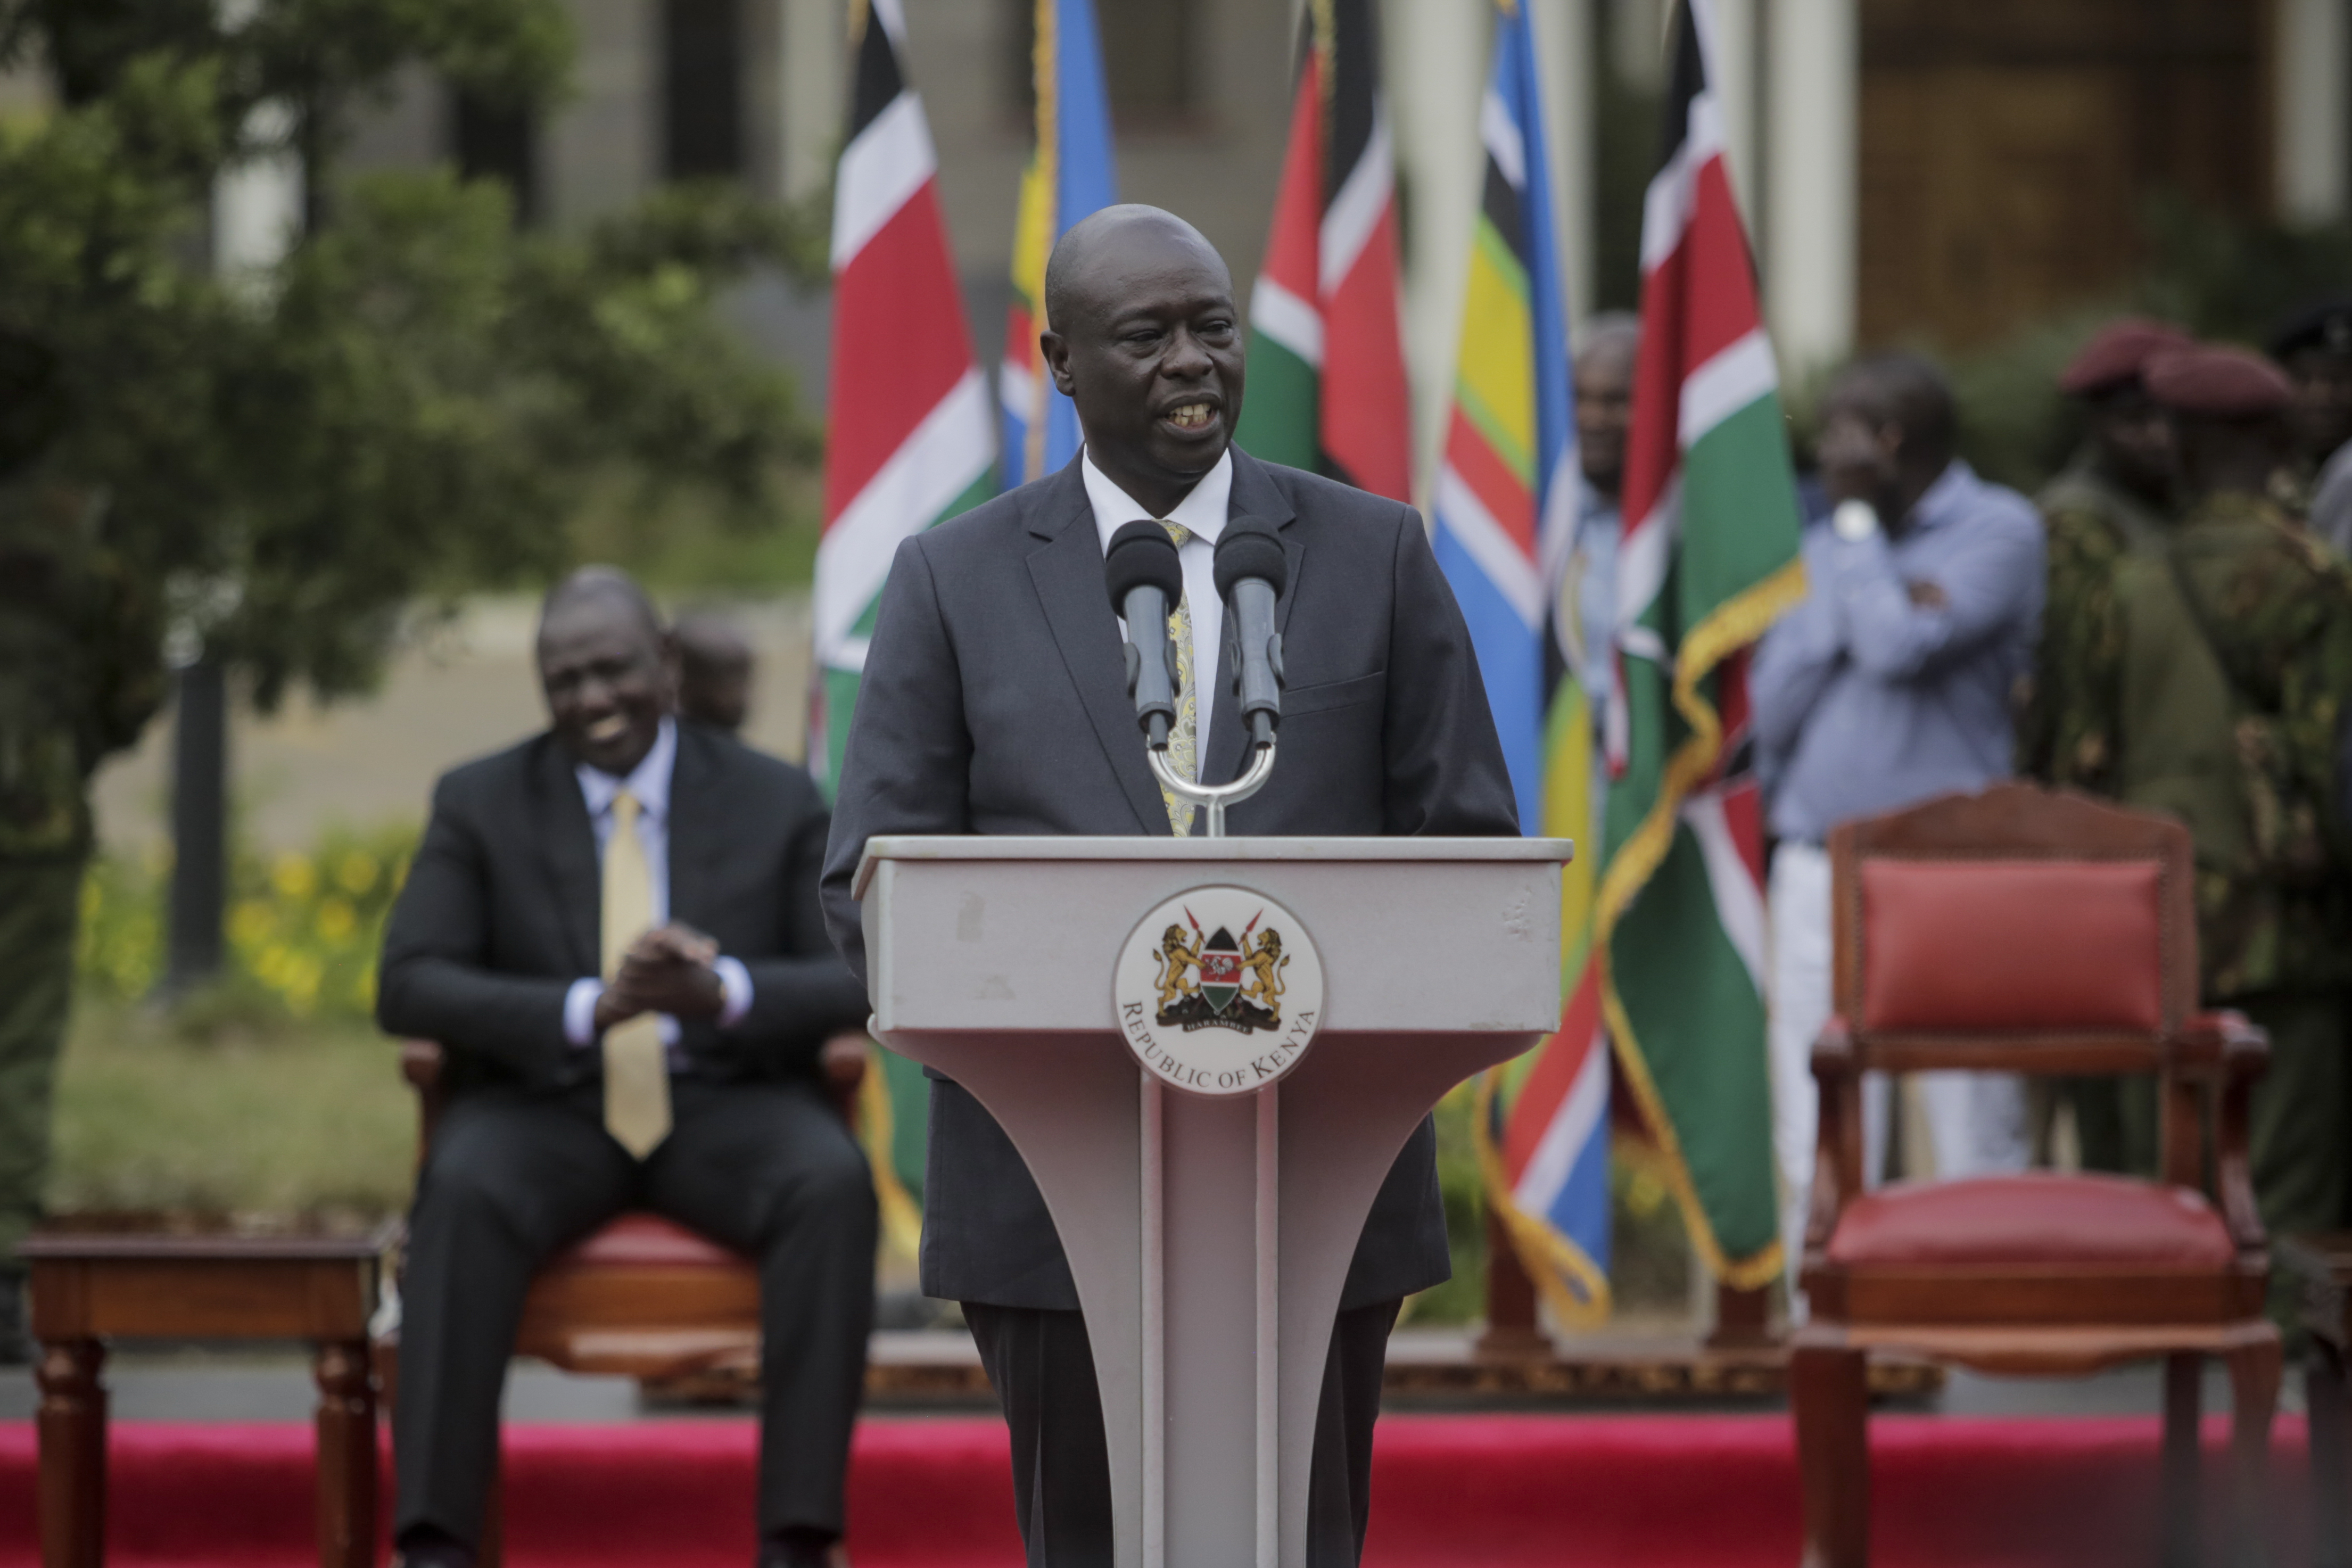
{"x":1976,"y":1122}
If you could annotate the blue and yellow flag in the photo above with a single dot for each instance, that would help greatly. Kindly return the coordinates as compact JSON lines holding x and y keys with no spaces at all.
{"x":1070,"y":175}
{"x":1505,"y":503}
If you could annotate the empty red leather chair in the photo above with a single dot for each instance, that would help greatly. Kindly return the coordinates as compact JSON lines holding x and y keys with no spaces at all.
{"x":2025,"y":930}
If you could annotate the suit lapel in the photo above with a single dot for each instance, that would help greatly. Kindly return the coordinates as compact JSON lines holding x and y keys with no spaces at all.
{"x":693,"y":778}
{"x":1067,"y":570}
{"x":1254,"y":495}
{"x":567,"y":844}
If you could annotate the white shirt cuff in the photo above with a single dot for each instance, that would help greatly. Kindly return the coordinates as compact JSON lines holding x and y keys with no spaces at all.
{"x":580,"y":1011}
{"x":735,"y":988}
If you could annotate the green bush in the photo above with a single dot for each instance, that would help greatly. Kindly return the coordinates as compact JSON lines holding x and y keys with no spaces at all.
{"x":304,"y":928}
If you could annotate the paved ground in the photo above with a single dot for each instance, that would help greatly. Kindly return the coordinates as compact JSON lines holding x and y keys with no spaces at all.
{"x":465,"y":688}
{"x":200,"y":1385}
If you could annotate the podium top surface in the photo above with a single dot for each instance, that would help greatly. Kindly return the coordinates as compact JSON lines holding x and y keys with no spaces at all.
{"x":1201,"y":851}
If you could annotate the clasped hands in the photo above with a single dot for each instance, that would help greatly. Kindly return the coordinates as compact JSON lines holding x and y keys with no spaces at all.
{"x":670,"y":969}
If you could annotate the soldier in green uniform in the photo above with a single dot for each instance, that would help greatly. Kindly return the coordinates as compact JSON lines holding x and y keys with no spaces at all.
{"x":2115,"y":496}
{"x":2217,"y":675}
{"x":79,"y":675}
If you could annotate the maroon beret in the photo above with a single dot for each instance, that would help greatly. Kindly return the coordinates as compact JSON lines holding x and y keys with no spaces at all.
{"x":2217,"y":382}
{"x":2117,"y":353}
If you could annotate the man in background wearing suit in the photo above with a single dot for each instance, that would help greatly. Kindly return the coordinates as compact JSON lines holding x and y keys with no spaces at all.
{"x":613,"y":930}
{"x":994,"y":701}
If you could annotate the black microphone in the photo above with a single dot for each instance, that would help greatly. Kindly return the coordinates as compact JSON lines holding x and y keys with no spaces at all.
{"x":1251,"y":574}
{"x":1145,"y":582}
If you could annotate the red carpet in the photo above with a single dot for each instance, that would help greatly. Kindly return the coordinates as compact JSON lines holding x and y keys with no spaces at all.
{"x":1452,"y":1491}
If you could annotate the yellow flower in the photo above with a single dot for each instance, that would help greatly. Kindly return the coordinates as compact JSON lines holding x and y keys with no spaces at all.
{"x":301,"y":984}
{"x":249,"y":922}
{"x":336,"y":920}
{"x":357,"y":871}
{"x":293,"y":875}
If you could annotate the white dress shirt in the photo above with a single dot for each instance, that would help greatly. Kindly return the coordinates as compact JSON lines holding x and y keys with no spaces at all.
{"x":649,"y":782}
{"x":1203,"y":513}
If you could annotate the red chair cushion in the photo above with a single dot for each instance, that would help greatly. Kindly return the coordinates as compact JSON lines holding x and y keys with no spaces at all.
{"x":646,"y":1241}
{"x":2041,"y":1217}
{"x":1964,"y":945}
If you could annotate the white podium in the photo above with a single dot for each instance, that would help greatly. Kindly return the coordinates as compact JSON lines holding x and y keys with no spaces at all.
{"x":1209,"y":1233}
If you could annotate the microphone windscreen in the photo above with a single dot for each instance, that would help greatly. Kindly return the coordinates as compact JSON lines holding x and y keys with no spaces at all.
{"x":1141,"y":555}
{"x":1249,"y":548}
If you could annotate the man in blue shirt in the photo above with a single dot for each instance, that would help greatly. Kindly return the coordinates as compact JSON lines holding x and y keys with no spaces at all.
{"x":1893,"y":682}
{"x":1584,"y":604}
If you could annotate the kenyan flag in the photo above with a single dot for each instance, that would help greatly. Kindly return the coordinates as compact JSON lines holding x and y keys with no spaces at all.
{"x":1708,"y":561}
{"x":909,"y":438}
{"x":1327,"y":363}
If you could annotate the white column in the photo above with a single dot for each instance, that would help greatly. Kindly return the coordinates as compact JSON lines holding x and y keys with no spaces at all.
{"x":1810,"y":232}
{"x":1734,"y":88}
{"x":2313,"y":129}
{"x":258,"y":206}
{"x":1638,"y":51}
{"x":815,"y":40}
{"x":1564,"y":39}
{"x":1436,"y":61}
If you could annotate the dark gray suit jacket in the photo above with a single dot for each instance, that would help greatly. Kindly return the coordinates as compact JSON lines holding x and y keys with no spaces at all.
{"x":499,"y":913}
{"x":994,"y":701}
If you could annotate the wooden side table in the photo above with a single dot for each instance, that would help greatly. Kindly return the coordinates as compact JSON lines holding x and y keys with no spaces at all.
{"x":2322,"y":1267}
{"x":89,"y":1288}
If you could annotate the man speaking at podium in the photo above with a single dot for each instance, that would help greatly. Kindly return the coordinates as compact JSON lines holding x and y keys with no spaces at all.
{"x":994,"y":701}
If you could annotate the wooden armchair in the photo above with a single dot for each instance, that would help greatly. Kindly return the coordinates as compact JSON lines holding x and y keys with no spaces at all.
{"x":643,"y":1296}
{"x":2023,"y":930}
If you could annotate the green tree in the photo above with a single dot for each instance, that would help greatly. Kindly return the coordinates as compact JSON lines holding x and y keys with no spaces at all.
{"x":415,"y":399}
{"x":419,"y":396}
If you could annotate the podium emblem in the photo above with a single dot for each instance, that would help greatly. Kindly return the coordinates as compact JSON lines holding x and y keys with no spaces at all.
{"x":1219,"y":990}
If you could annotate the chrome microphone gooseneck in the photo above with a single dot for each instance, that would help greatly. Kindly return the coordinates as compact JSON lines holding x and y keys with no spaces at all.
{"x":1146,"y":578}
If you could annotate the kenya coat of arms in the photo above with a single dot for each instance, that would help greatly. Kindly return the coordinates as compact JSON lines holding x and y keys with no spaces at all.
{"x":1216,"y":982}
{"x":1219,"y":990}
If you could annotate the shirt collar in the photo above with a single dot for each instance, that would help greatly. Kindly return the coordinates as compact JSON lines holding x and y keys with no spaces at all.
{"x":649,"y":780}
{"x":1948,"y":497}
{"x":1201,"y":512}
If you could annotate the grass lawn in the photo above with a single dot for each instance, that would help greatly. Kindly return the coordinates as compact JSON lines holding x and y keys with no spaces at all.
{"x":243,"y":1117}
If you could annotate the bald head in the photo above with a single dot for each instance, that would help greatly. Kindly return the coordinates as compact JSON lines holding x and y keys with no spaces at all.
{"x":1908,"y":391}
{"x":1143,"y":335}
{"x":1889,"y":428}
{"x":608,"y":669}
{"x":1605,"y":355}
{"x":1105,"y":246}
{"x":599,"y":589}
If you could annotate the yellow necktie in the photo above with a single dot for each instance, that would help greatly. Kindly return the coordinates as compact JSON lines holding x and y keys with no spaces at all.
{"x":637,"y":1075}
{"x":1183,"y":736}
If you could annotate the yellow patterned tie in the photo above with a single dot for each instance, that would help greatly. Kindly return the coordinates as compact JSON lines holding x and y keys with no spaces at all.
{"x":1183,"y":737}
{"x":637,"y":1075}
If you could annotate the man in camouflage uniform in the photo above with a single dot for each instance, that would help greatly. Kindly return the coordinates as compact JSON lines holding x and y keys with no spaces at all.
{"x":2315,"y":346}
{"x":79,"y":675}
{"x":2215,"y":673}
{"x":2115,"y":497}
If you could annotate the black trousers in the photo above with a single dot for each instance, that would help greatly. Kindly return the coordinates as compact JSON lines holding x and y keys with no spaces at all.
{"x":514,"y":1176}
{"x":1044,"y":1372}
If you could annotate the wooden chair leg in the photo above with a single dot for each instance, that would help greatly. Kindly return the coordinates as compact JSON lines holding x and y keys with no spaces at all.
{"x":347,"y":1456}
{"x":2181,"y":1414}
{"x":2253,"y":1398}
{"x":1829,"y":1396}
{"x":2325,"y":1395}
{"x":72,"y":1427}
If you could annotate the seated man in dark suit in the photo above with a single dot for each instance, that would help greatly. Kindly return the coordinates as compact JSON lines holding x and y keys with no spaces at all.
{"x":994,"y":701}
{"x":614,"y":929}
